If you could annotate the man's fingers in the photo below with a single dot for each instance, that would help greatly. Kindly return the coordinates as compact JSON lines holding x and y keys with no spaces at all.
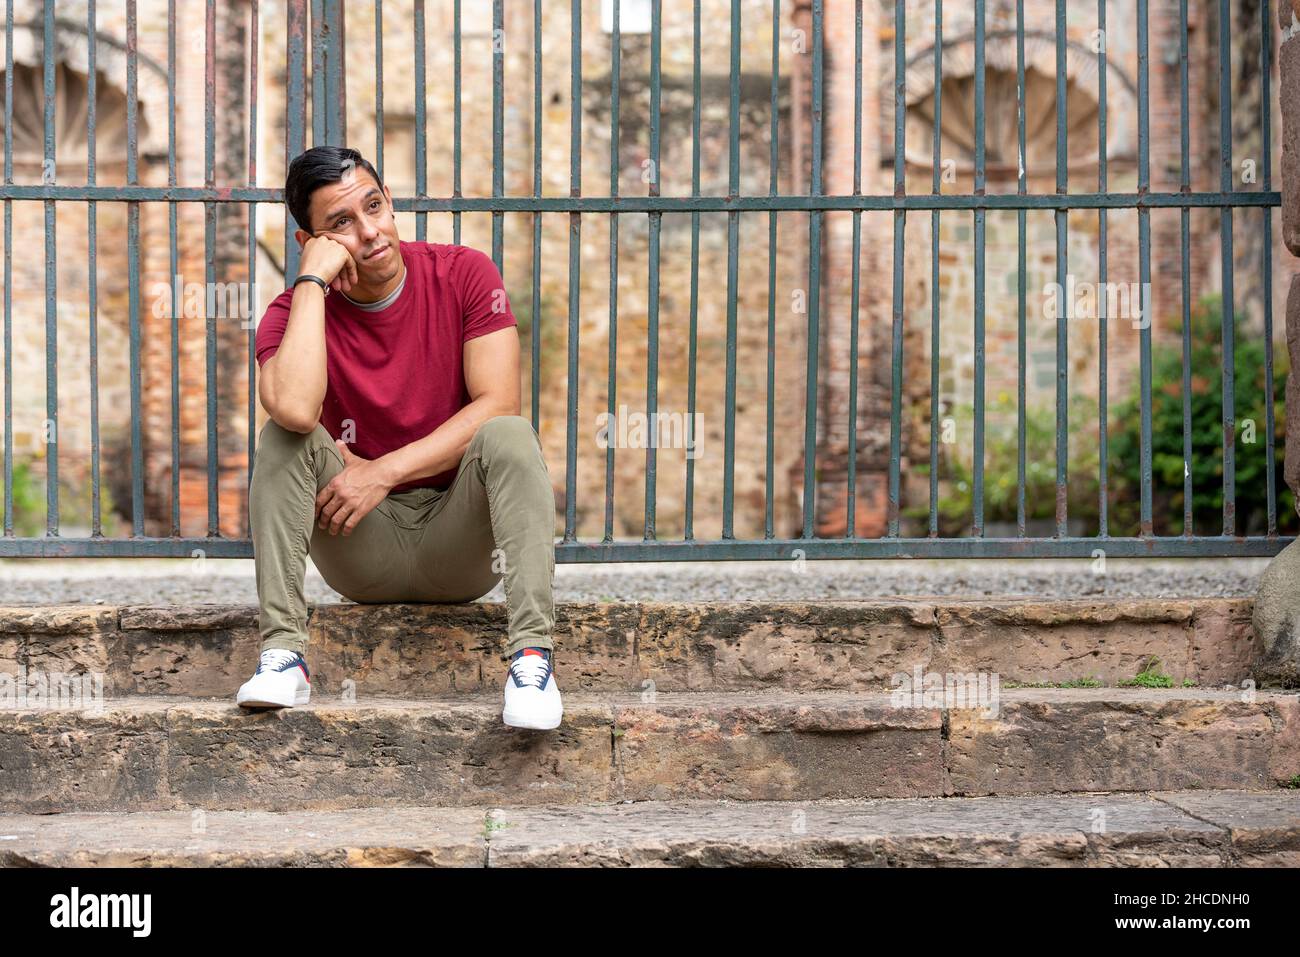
{"x":327,"y":510}
{"x":340,"y":516}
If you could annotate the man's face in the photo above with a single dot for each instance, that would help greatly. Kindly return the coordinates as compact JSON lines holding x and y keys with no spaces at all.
{"x":358,"y":214}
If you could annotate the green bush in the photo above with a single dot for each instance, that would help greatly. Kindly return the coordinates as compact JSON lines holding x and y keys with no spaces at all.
{"x":1001,"y":466}
{"x":74,"y":505}
{"x":29,"y":502}
{"x":1206,"y":433}
{"x":956,"y":503}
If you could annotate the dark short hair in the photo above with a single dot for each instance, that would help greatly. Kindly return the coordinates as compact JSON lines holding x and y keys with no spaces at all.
{"x":317,"y":167}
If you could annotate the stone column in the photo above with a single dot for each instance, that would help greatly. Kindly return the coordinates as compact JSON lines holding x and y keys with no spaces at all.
{"x":1277,"y":603}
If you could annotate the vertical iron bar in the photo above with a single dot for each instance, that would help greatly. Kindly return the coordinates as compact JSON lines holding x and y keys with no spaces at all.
{"x":616,"y":68}
{"x":295,"y":113}
{"x":336,"y":86}
{"x":318,"y":92}
{"x":133,"y":275}
{"x":1021,"y":272}
{"x":498,"y":130}
{"x":936,"y":187}
{"x":814,"y":283}
{"x":652,"y":316}
{"x":689,"y":532}
{"x":1103,"y":522}
{"x":900,"y":227}
{"x":851,"y":520}
{"x":1266,"y":133}
{"x":49,"y":176}
{"x":1144,"y":259}
{"x":774,"y":168}
{"x":92,"y":279}
{"x":575,"y":269}
{"x":210,"y":246}
{"x":1229,"y":310}
{"x":379,"y":87}
{"x":421,"y":119}
{"x":979,"y":216}
{"x":1065,"y":309}
{"x":456,"y":110}
{"x":733,"y":278}
{"x":535,"y":321}
{"x":9,"y":231}
{"x":174,"y":262}
{"x":250,"y":324}
{"x":1185,"y":185}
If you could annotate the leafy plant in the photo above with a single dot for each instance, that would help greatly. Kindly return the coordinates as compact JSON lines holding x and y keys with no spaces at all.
{"x":29,"y":501}
{"x":956,"y":482}
{"x":1001,"y":465}
{"x":1206,"y":406}
{"x":75,"y":504}
{"x":1149,"y":677}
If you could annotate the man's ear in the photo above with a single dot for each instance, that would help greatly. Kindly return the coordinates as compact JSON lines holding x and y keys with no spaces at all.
{"x":302,"y":236}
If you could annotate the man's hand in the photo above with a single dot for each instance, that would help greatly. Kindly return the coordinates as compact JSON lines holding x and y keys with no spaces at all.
{"x":329,"y":259}
{"x":351,"y":494}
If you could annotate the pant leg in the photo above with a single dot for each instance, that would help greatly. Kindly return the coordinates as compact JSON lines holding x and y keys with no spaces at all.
{"x":289,"y":469}
{"x":496,"y":522}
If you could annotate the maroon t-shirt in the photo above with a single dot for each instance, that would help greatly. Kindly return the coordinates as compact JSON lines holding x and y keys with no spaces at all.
{"x":396,"y":374}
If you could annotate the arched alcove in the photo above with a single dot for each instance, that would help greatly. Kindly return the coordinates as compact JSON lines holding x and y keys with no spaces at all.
{"x":71,"y":112}
{"x":1002,"y":104}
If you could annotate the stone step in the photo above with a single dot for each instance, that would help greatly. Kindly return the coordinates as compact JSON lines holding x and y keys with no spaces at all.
{"x":154,"y":753}
{"x":1159,"y":829}
{"x":412,"y":650}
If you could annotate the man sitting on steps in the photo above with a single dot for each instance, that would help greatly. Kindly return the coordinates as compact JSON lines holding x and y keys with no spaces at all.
{"x":395,"y":430}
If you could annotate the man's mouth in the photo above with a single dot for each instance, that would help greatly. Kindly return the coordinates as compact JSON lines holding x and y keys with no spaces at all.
{"x":378,"y":252}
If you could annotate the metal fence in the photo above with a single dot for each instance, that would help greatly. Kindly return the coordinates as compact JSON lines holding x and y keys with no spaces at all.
{"x":316,"y":29}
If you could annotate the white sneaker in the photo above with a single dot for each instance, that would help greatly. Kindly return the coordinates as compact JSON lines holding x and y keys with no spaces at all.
{"x":281,"y":681}
{"x":532,"y":699}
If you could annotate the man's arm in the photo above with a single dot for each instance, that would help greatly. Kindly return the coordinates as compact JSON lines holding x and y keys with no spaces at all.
{"x":266,"y":391}
{"x":491,"y":364}
{"x":293,"y":381}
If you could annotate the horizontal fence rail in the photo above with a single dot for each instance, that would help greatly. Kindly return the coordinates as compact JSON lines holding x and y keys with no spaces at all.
{"x":315,"y":36}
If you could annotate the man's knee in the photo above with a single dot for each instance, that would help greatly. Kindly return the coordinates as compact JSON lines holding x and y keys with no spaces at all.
{"x":281,"y":450}
{"x":273,"y":432}
{"x":506,"y":435}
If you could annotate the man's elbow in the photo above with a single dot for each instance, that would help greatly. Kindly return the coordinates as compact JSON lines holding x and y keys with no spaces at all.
{"x":301,"y":427}
{"x":502,"y":403}
{"x":299,"y":422}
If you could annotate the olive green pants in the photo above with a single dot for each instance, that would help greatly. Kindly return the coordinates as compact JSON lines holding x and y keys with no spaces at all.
{"x":496,"y":521}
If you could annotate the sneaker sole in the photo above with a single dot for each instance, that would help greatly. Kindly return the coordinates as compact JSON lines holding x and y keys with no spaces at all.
{"x":299,"y":699}
{"x":515,"y":722}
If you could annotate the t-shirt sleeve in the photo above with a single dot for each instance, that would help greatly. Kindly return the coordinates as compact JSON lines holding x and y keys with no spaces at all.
{"x":270,"y":331}
{"x":485,"y":306}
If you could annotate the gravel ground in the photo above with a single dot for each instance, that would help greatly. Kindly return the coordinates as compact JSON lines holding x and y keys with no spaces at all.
{"x":230,"y":581}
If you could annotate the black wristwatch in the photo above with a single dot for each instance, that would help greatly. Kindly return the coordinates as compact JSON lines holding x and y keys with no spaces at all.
{"x":316,"y":279}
